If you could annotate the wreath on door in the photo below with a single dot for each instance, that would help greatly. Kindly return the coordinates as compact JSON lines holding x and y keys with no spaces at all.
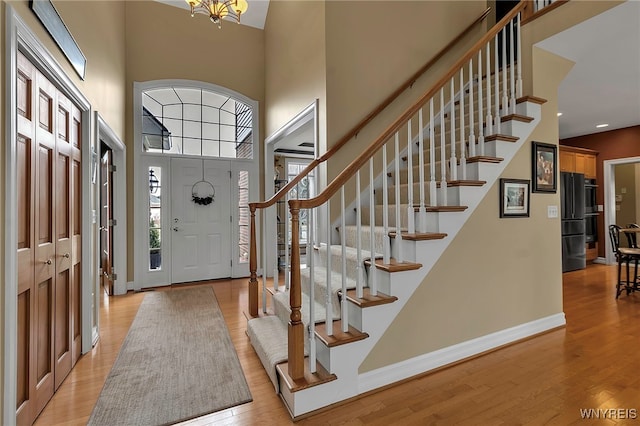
{"x":203,"y":187}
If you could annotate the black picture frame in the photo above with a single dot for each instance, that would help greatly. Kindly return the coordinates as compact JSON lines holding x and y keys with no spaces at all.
{"x":514,"y":197}
{"x":544,"y":167}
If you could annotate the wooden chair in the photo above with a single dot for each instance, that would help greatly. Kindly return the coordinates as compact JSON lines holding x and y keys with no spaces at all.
{"x":624,"y":255}
{"x":632,"y":237}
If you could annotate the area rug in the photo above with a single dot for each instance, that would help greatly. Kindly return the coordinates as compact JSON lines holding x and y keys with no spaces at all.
{"x":176,"y":363}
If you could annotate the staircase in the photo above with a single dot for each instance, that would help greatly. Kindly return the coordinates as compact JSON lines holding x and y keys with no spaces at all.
{"x":363,"y":269}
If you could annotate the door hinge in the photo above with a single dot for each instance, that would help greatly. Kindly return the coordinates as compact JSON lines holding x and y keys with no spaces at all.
{"x":112,"y":277}
{"x":231,"y":263}
{"x":113,"y":222}
{"x":113,"y":168}
{"x":229,"y":174}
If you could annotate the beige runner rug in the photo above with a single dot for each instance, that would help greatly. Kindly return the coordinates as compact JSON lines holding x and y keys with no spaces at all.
{"x":176,"y":363}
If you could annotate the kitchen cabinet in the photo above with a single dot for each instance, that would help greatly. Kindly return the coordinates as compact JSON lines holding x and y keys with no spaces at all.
{"x":578,"y":160}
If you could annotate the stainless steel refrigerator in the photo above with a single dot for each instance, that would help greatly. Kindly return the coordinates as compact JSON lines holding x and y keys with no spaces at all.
{"x":573,"y":217}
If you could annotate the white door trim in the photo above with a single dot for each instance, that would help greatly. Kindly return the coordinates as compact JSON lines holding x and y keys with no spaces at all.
{"x":610,"y":200}
{"x":18,"y":36}
{"x":142,"y":277}
{"x":119,"y":184}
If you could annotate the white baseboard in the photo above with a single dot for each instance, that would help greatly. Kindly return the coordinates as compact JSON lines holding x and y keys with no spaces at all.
{"x":600,"y":260}
{"x":393,"y":373}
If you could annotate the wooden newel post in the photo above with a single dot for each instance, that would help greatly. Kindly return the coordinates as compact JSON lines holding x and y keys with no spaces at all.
{"x":253,"y":266}
{"x":296,"y":327}
{"x":528,"y":10}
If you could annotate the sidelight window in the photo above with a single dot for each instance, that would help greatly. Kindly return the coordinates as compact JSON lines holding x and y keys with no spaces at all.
{"x":155,"y":218}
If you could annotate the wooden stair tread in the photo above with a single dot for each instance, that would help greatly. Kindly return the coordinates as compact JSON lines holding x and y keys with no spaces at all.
{"x":420,"y":236}
{"x":533,"y":99}
{"x":461,"y":182}
{"x":368,"y":300}
{"x":309,"y":380}
{"x":484,"y":159}
{"x":394,"y":265}
{"x":500,"y":137}
{"x":440,"y":209}
{"x":339,"y":337}
{"x":517,"y":117}
{"x":272,"y":291}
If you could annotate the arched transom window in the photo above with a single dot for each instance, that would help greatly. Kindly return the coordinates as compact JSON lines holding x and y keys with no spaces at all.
{"x":192,"y":121}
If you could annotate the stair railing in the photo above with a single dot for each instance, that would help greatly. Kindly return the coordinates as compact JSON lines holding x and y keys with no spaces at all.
{"x":508,"y":70}
{"x":282,"y":193}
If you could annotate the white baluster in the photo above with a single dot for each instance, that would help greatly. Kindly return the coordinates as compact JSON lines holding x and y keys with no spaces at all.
{"x":276,"y":269}
{"x":505,"y":75}
{"x":512,"y":67}
{"x":489,"y":118}
{"x":519,"y":48}
{"x":422,"y":211}
{"x":453,"y":161}
{"x":373,"y":285}
{"x":312,"y":290}
{"x":328,"y":303}
{"x":433,"y":185}
{"x":496,"y":99}
{"x":443,"y":149}
{"x":463,"y":145}
{"x":398,"y":238}
{"x":411,"y":215}
{"x":360,"y":265}
{"x":386,"y":243}
{"x":343,"y":302}
{"x":480,"y":106}
{"x":287,"y":266}
{"x":263,"y":239}
{"x":472,"y":135}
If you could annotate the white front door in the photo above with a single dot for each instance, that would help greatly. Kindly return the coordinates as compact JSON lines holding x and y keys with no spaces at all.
{"x":201,"y":233}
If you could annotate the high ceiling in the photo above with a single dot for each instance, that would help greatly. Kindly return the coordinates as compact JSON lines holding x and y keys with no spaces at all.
{"x":255,"y":17}
{"x":604,"y":85}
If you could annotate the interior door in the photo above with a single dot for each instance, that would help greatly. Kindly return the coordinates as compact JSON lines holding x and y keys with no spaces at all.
{"x":201,"y":234}
{"x":106,"y":218}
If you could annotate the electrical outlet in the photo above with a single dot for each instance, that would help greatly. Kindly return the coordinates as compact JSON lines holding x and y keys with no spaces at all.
{"x":552,"y":212}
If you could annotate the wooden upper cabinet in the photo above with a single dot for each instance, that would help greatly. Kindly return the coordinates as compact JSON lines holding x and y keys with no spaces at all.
{"x":578,"y":160}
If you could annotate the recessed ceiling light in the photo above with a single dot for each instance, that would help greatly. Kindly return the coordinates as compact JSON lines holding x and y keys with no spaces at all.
{"x":559,"y":114}
{"x":599,"y":126}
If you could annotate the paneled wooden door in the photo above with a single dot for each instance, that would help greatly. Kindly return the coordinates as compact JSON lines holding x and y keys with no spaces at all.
{"x":49,"y":237}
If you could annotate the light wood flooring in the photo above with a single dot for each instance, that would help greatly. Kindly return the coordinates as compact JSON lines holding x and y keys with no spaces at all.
{"x":592,"y":363}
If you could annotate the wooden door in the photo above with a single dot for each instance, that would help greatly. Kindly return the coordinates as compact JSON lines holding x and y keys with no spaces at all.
{"x":48,"y":240}
{"x":106,"y":217}
{"x":201,"y":234}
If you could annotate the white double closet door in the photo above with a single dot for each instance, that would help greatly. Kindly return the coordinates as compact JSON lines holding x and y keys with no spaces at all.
{"x":200,"y":234}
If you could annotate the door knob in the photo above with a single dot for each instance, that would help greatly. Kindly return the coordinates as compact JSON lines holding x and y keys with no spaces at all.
{"x":175,"y":228}
{"x":66,"y":255}
{"x":48,"y":262}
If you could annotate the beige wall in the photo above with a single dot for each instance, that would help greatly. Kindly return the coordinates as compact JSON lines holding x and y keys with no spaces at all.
{"x":373,"y":48}
{"x":98,"y":27}
{"x":2,"y":204}
{"x":164,"y":42}
{"x":512,"y":267}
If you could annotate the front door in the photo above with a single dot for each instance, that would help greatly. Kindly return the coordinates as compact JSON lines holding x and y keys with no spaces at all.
{"x":201,"y":231}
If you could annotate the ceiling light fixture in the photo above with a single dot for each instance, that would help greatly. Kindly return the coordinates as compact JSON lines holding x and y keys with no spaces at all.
{"x":599,"y":126}
{"x":559,"y":114}
{"x":219,"y":9}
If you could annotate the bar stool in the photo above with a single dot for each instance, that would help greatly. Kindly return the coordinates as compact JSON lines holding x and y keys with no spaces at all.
{"x":624,"y":255}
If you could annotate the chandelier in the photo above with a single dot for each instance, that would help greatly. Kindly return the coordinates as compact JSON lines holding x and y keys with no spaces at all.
{"x":219,"y":9}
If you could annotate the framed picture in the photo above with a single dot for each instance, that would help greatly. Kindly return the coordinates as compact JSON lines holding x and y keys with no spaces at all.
{"x":544,"y":159}
{"x":514,"y":198}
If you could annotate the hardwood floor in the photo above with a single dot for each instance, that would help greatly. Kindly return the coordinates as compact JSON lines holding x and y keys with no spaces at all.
{"x":591,"y":364}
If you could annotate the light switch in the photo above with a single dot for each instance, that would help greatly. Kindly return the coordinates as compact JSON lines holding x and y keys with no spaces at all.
{"x":552,"y":212}
{"x":600,"y":207}
{"x":623,"y":190}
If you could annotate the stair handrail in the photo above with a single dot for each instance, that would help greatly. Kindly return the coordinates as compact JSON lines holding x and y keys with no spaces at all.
{"x":253,"y":206}
{"x":296,"y":368}
{"x":362,"y":123}
{"x":373,"y":148}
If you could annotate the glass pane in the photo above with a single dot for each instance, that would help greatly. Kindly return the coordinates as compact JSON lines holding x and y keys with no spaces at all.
{"x":210,"y":115}
{"x":243,"y":215}
{"x":174,"y":126}
{"x":155,"y":240}
{"x":211,"y":148}
{"x":211,"y":131}
{"x":227,"y":133}
{"x":192,"y":129}
{"x":191,"y":146}
{"x":193,"y":112}
{"x":189,"y":96}
{"x":155,"y":260}
{"x":228,"y":149}
{"x":172,"y":111}
{"x":229,"y":106}
{"x":227,"y":118}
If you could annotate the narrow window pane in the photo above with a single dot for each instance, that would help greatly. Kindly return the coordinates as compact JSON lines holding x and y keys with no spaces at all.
{"x":243,"y":215}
